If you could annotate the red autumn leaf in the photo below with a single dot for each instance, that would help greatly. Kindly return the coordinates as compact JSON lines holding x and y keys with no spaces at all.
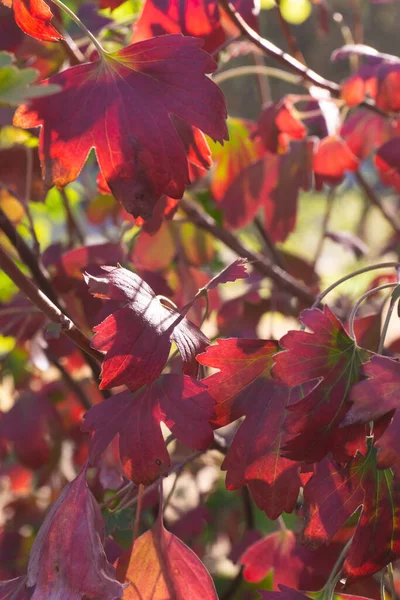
{"x":231,"y":158}
{"x":278,"y":125}
{"x":364,"y":131}
{"x":293,"y":564}
{"x":332,"y":159}
{"x":15,"y":589}
{"x":67,"y":558}
{"x":388,"y":446}
{"x":233,"y":272}
{"x":137,"y":338}
{"x":379,"y":394}
{"x":121,"y":106}
{"x":34,"y":18}
{"x":331,"y":356}
{"x":34,"y":428}
{"x":199,"y":19}
{"x":161,"y":567}
{"x":335,"y":493}
{"x":272,"y":182}
{"x":388,"y":164}
{"x":388,"y":87}
{"x":182,"y":403}
{"x":11,"y":35}
{"x":244,"y":387}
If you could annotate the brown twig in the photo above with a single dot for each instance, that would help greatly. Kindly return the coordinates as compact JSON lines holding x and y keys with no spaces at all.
{"x":74,"y":230}
{"x":43,"y":302}
{"x":261,"y":263}
{"x":375,"y":200}
{"x":38,"y":272}
{"x":268,"y":242}
{"x":285,"y":59}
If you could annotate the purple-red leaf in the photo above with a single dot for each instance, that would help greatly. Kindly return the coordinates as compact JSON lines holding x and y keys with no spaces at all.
{"x":244,"y":387}
{"x":137,"y":338}
{"x":329,"y":355}
{"x":182,"y":403}
{"x":122,"y":105}
{"x":335,"y":493}
{"x":67,"y":558}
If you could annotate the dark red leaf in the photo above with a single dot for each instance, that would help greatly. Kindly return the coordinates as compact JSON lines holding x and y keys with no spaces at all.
{"x":293,"y":564}
{"x":34,"y":18}
{"x":377,"y":395}
{"x":286,"y":593}
{"x":335,"y":493}
{"x":364,"y":131}
{"x":137,"y":338}
{"x":13,"y":173}
{"x":244,"y":387}
{"x":67,"y":558}
{"x":329,"y":355}
{"x":121,"y":106}
{"x":387,"y":163}
{"x":34,"y":428}
{"x":182,"y":403}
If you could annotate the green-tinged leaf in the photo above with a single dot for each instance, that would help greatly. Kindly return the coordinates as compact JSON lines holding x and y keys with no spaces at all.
{"x":15,"y":83}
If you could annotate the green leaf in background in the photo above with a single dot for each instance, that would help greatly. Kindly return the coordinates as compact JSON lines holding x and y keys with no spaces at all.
{"x":15,"y":83}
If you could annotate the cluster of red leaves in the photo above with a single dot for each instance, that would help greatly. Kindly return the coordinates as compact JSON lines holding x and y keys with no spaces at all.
{"x":317,"y":412}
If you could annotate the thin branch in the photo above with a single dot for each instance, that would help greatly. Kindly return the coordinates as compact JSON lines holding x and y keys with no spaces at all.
{"x":325,"y":222}
{"x":284,"y":58}
{"x":375,"y":200}
{"x":261,"y":263}
{"x":268,"y":242}
{"x":72,"y":225}
{"x":28,"y":189}
{"x":48,"y":307}
{"x":38,"y":272}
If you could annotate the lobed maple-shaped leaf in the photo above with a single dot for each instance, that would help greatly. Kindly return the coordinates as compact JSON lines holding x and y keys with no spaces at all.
{"x":160,"y":566}
{"x":137,"y":338}
{"x":121,"y":105}
{"x":326,"y":354}
{"x":292,"y":563}
{"x":182,"y":403}
{"x":34,"y":18}
{"x":67,"y":558}
{"x":335,"y":493}
{"x":244,"y":387}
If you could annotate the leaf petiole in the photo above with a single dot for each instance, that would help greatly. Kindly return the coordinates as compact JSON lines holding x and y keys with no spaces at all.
{"x":77,"y":20}
{"x":360,"y":301}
